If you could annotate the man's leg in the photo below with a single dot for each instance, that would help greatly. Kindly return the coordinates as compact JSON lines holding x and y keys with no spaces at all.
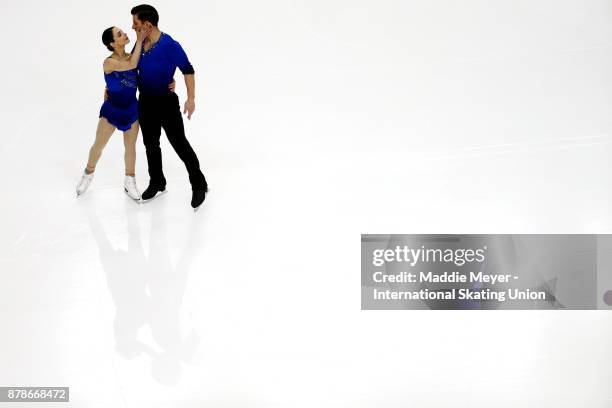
{"x":172,"y":122}
{"x":150,"y":123}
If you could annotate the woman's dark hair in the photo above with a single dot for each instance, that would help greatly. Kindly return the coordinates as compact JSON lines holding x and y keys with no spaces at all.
{"x":107,"y":38}
{"x":144,"y":12}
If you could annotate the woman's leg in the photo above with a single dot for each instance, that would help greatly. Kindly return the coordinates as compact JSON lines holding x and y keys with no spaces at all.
{"x":129,"y":140}
{"x":103,"y":133}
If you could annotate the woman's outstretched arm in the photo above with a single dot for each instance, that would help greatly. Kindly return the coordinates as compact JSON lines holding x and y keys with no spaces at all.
{"x":111,"y":64}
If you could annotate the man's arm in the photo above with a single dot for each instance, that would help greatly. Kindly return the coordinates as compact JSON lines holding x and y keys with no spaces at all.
{"x":190,"y":102}
{"x":179,"y":57}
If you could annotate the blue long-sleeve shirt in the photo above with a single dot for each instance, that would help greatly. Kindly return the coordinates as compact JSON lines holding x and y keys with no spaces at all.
{"x":157,"y":65}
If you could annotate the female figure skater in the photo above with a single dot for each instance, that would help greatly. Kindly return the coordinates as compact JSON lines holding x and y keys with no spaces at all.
{"x":120,"y":109}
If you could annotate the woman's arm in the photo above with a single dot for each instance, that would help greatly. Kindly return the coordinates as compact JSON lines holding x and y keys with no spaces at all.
{"x":111,"y":64}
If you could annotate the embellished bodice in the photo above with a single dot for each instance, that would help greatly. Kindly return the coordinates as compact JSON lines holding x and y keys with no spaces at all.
{"x":121,"y":86}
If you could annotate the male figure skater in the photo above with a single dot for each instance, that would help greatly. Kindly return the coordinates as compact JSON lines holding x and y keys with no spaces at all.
{"x":159,"y":108}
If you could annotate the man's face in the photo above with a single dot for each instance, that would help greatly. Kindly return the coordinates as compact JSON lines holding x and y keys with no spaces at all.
{"x":136,"y":23}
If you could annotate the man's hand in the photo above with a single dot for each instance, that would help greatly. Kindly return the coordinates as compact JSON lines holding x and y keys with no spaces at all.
{"x":172,"y":85}
{"x":189,"y":108}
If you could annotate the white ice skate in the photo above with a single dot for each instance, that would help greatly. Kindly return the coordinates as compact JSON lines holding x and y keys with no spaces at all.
{"x":130,"y":188}
{"x":84,"y":183}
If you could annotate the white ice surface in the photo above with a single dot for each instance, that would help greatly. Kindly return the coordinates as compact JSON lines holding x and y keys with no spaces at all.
{"x":316,"y":121}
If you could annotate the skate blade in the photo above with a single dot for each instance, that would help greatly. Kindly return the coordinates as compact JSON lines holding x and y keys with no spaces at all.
{"x":159,"y":193}
{"x":138,"y":200}
{"x":195,"y":209}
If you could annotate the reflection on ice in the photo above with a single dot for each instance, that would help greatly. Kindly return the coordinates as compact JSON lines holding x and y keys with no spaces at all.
{"x":148,"y":290}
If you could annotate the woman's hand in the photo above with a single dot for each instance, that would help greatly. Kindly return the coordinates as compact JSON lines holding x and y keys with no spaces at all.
{"x":143,"y":33}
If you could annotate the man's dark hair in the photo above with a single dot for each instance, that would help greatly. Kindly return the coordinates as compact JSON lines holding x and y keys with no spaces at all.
{"x":107,"y":38}
{"x":145,"y":12}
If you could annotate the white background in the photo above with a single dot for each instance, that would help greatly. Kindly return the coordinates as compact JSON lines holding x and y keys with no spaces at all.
{"x":316,"y":121}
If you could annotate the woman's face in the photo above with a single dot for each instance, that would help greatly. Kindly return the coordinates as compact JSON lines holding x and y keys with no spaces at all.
{"x":119,"y":37}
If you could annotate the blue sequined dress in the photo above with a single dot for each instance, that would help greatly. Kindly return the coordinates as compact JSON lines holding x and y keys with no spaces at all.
{"x":121,"y":107}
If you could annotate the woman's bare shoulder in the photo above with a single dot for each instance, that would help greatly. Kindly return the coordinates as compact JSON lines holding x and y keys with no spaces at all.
{"x":106,"y":64}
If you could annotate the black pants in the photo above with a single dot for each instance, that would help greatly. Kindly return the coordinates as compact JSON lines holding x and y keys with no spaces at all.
{"x":155,"y":113}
